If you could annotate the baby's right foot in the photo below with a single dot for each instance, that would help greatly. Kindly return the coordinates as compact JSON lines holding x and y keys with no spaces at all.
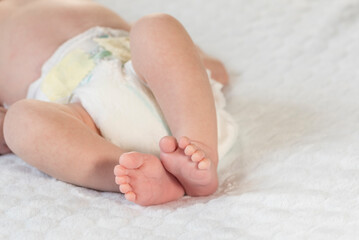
{"x":191,"y":163}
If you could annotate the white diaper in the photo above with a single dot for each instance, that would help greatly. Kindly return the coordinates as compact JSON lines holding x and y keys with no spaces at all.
{"x":95,"y":69}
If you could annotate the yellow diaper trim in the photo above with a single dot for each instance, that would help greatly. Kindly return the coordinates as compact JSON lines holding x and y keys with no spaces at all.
{"x":118,"y":46}
{"x":65,"y":76}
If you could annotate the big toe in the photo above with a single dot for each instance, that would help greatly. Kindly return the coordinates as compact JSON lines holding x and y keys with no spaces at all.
{"x":168,"y":144}
{"x":132,"y":160}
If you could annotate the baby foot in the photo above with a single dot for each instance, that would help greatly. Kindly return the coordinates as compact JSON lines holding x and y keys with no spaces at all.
{"x":188,"y":162}
{"x":3,"y":147}
{"x":144,"y":180}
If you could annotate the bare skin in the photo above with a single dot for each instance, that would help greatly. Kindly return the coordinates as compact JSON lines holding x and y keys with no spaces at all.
{"x":186,"y":164}
{"x":3,"y":147}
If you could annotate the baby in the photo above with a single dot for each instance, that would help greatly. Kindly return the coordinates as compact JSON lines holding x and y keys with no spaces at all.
{"x":55,"y":55}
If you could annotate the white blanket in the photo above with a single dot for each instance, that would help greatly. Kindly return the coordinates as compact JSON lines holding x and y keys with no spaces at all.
{"x":295,"y":95}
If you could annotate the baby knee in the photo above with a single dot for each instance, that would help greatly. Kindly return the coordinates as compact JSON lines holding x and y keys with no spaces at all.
{"x":17,"y":110}
{"x":17,"y":120}
{"x":13,"y":111}
{"x":157,"y":21}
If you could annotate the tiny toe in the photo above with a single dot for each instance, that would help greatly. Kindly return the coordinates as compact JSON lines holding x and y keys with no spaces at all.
{"x":183,"y":142}
{"x":125,"y":188}
{"x":168,"y":144}
{"x":198,"y":156}
{"x":204,"y":164}
{"x":130,"y":196}
{"x":120,"y":170}
{"x":122,"y":180}
{"x":132,"y":160}
{"x":190,"y":149}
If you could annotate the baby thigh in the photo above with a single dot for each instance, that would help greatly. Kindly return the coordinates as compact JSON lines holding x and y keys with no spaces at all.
{"x":62,"y":141}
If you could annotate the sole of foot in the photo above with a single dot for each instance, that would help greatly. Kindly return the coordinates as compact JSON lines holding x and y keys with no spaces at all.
{"x":144,"y":180}
{"x":188,"y":161}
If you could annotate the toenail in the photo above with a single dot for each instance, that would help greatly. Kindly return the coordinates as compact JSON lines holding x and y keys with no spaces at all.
{"x":122,"y":170}
{"x":130,"y":196}
{"x":115,"y":170}
{"x":119,"y":170}
{"x":125,"y":188}
{"x":117,"y":180}
{"x":204,"y":164}
{"x":122,"y":180}
{"x":189,"y":150}
{"x":197,"y":156}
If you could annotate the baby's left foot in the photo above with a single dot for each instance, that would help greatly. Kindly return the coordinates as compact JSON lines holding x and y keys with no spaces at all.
{"x":189,"y":163}
{"x":144,"y":180}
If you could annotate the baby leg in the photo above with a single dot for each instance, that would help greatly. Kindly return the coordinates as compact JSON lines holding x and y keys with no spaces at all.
{"x":165,"y":57}
{"x":62,"y":141}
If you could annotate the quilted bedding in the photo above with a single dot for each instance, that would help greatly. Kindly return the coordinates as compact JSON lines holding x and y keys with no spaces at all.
{"x":294,"y":172}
